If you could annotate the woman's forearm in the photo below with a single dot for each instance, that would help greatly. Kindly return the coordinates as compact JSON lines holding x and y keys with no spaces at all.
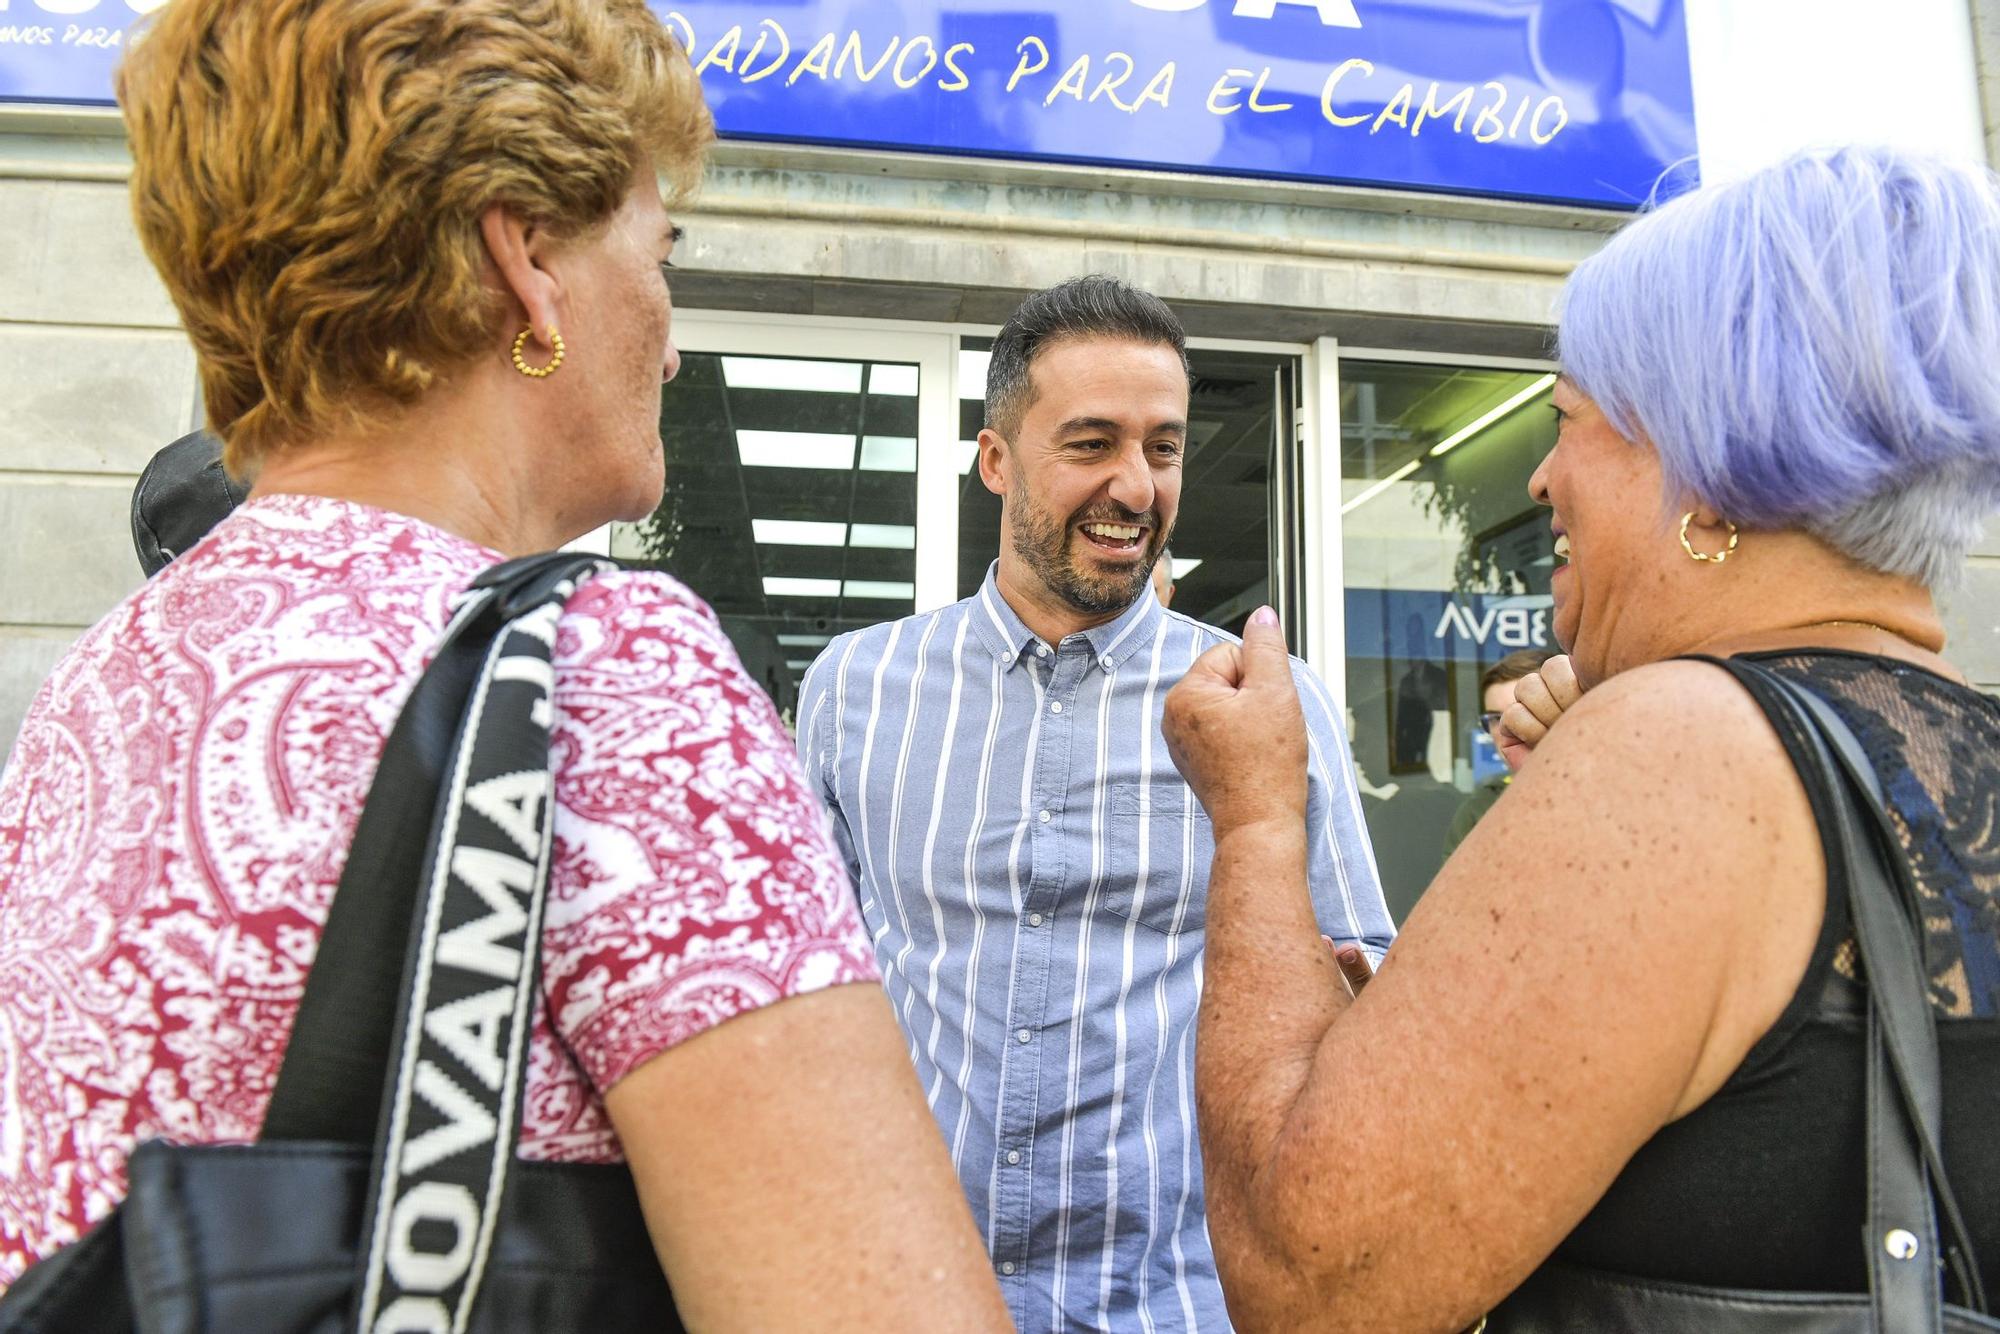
{"x":1271,"y":991}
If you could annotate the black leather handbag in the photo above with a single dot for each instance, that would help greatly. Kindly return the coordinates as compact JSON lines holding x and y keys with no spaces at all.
{"x":1909,"y":1201}
{"x":384,"y":1195}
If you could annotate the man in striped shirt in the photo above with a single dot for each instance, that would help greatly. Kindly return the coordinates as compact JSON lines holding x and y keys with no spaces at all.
{"x":1030,"y":864}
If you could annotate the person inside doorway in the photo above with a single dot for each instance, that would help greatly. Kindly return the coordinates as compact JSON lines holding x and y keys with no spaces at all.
{"x":1163,"y":577}
{"x":1031,"y":867}
{"x":1496,"y":695}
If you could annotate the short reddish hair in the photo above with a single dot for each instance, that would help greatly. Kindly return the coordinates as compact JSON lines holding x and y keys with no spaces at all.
{"x":308,"y":178}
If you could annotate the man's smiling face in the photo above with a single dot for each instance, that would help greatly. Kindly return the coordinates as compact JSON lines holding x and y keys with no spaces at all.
{"x":1092,"y":477}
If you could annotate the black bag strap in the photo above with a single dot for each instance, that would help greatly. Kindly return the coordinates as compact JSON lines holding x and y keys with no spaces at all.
{"x":330,"y":1082}
{"x":413,"y":1028}
{"x":451,"y":1110}
{"x":1907,"y":1187}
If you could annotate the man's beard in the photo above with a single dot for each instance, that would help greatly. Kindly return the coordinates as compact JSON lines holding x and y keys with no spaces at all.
{"x":1044,"y":546}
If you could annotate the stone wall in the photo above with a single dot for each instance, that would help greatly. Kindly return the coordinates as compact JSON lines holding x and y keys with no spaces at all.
{"x":96,"y":375}
{"x":1972,"y":615}
{"x":1986,"y":50}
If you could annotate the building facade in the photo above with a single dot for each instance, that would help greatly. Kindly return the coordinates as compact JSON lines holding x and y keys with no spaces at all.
{"x":1372,"y":331}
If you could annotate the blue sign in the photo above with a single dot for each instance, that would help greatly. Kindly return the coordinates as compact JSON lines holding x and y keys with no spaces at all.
{"x":64,"y":50}
{"x":1416,"y":626}
{"x":1586,"y":101}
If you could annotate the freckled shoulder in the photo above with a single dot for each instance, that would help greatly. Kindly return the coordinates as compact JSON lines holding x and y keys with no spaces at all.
{"x":1694,"y":707}
{"x":1671,"y":773}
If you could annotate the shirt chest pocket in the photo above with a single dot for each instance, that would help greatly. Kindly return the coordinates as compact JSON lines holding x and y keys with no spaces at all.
{"x":1158,"y":847}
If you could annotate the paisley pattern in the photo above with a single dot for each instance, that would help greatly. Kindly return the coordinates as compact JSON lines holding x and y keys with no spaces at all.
{"x":177,"y":811}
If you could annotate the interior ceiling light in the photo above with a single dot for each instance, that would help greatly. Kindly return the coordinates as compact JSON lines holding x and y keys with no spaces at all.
{"x":893,"y":381}
{"x":888,"y":453}
{"x":883,"y":536}
{"x":972,"y":373}
{"x":880,"y":590}
{"x":1184,"y":568}
{"x":797,"y":533}
{"x":1453,"y":441}
{"x":777,"y":587}
{"x":804,"y":641}
{"x":1382,"y":485}
{"x":802,"y":377}
{"x":1478,"y":424}
{"x":795,"y":449}
{"x":798,"y":664}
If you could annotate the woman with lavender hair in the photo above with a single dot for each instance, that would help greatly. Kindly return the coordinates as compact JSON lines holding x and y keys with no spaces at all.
{"x":1622,"y":1031}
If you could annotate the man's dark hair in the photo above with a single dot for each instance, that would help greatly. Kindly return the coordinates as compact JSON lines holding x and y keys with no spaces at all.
{"x":1524,"y":662}
{"x":1093,"y":306}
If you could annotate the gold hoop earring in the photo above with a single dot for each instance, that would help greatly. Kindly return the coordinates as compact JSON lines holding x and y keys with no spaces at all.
{"x":1734,"y":537}
{"x":538,"y":372}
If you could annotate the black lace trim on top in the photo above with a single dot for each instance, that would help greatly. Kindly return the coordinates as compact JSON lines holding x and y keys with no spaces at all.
{"x":1936,"y":746}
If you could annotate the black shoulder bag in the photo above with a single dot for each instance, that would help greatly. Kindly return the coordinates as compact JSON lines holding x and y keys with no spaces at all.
{"x":1908,"y":1196}
{"x":384,"y":1195}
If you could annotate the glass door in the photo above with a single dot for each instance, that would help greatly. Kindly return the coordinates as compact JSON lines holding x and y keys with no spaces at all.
{"x":793,"y":496}
{"x":1288,"y":477}
{"x":1446,"y":564}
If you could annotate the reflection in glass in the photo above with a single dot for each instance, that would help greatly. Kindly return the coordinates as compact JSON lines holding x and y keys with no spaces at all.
{"x":1447,"y":565}
{"x":791,"y":502}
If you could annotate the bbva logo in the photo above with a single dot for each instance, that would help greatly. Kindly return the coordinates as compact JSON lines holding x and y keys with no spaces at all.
{"x":1509,"y":627}
{"x":1333,"y":13}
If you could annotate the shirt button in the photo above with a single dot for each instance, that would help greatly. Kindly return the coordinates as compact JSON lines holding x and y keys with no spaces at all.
{"x":1007,"y":1267}
{"x":1013,"y":1157}
{"x":1041,"y":650}
{"x":1022,"y":1035}
{"x":1046,"y":817}
{"x":1034,"y":919}
{"x":1056,"y":707}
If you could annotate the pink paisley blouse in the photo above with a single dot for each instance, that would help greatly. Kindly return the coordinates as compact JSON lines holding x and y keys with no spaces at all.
{"x":180,"y":800}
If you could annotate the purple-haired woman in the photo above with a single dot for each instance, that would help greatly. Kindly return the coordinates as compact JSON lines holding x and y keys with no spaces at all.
{"x":1620,"y":1031}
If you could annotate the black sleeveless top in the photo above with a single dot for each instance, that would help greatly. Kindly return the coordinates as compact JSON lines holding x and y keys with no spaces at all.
{"x":1762,"y":1186}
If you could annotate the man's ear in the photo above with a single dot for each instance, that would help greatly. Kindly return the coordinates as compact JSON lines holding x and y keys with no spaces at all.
{"x":519,"y":250}
{"x":993,"y":461}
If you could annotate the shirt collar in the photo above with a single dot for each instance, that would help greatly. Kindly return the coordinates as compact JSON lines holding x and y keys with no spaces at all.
{"x":1007,"y":636}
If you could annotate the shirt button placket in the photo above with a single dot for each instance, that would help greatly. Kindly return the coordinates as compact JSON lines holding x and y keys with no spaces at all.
{"x":1021,"y":1093}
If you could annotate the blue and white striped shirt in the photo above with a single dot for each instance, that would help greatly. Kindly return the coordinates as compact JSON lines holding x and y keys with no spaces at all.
{"x":1034,"y":873}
